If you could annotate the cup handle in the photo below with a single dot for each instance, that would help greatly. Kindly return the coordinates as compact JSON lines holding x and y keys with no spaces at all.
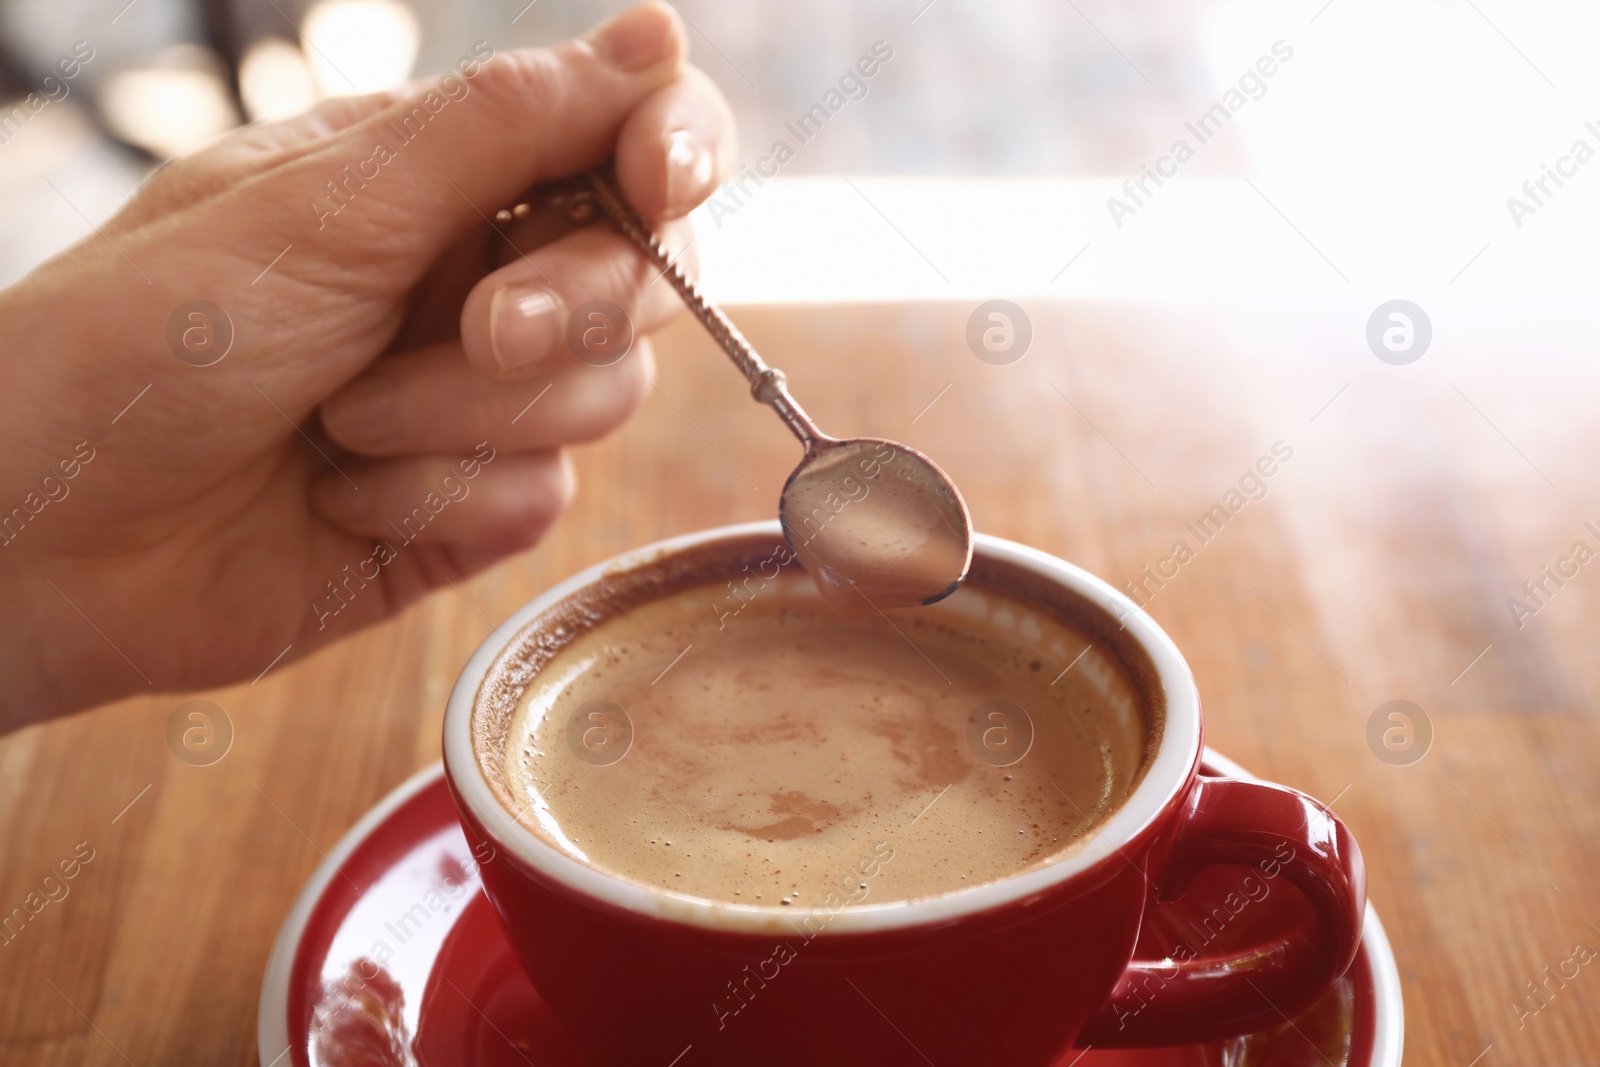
{"x":1275,"y":830}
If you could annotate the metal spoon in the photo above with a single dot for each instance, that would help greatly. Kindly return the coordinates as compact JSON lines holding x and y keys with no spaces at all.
{"x":876,"y":523}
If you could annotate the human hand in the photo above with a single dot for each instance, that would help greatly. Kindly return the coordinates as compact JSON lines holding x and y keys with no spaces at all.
{"x":367,"y":433}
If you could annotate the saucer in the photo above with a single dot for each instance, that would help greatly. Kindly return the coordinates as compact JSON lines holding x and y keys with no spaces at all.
{"x":393,"y":957}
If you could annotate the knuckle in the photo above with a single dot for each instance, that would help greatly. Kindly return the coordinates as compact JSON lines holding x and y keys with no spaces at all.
{"x":176,"y":183}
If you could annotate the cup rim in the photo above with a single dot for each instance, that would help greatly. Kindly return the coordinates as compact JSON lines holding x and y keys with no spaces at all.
{"x":1176,"y":754}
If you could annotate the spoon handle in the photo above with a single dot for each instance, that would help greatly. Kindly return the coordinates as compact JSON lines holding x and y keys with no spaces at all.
{"x":767,"y":384}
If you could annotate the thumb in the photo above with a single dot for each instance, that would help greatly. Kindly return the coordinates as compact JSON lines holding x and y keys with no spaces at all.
{"x":395,"y":190}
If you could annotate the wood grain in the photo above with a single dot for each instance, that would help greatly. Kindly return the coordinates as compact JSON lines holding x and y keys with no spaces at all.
{"x":1377,"y":567}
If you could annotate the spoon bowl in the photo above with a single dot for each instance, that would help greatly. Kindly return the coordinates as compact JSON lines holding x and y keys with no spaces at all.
{"x":877,"y":524}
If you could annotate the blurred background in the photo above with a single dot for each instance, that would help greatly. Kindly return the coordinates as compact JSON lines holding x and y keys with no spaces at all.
{"x":1382,"y":153}
{"x":1397,"y":150}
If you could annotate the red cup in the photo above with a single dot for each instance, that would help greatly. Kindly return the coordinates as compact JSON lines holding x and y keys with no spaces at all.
{"x":1018,"y":972}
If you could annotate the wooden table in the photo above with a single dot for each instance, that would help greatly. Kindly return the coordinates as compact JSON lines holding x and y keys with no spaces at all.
{"x":1378,"y":567}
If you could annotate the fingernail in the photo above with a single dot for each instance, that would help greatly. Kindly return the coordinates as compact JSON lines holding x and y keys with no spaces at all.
{"x":689,"y":171}
{"x":638,"y":38}
{"x":525,"y":323}
{"x":365,"y":413}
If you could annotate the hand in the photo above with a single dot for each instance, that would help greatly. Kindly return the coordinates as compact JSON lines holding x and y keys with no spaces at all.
{"x":366,"y":435}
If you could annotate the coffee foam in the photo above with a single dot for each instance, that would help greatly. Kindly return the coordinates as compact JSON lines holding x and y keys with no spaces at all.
{"x":789,"y":754}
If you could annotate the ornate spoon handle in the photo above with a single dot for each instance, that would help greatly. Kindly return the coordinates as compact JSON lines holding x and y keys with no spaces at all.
{"x":598,"y":188}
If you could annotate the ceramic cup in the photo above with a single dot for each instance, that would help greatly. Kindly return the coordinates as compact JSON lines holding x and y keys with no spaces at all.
{"x":1015,"y":972}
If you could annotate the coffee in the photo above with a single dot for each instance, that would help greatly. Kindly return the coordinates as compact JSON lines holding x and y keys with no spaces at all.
{"x":778,"y":754}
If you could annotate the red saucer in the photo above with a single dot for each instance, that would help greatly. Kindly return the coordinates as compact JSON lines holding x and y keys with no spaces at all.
{"x":392,"y":957}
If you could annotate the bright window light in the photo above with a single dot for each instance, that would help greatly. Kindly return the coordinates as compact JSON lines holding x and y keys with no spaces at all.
{"x":173,"y":107}
{"x":275,"y":80}
{"x":360,"y":46}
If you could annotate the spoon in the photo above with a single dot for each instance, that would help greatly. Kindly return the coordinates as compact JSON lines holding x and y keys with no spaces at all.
{"x":875,"y":522}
